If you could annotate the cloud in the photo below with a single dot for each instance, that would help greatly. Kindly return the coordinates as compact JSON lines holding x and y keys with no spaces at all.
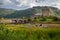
{"x":23,"y":4}
{"x":56,"y":5}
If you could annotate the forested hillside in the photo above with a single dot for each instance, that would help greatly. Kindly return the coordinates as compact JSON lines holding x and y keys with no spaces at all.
{"x":9,"y":13}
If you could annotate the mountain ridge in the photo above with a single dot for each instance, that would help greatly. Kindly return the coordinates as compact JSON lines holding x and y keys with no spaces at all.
{"x":9,"y":13}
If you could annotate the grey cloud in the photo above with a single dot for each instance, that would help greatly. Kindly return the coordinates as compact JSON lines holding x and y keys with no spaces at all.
{"x":23,"y":4}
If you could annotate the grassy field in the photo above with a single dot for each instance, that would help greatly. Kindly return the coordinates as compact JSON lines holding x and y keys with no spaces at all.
{"x":19,"y":32}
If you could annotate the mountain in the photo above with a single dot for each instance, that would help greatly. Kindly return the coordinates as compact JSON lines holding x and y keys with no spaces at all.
{"x":4,"y":12}
{"x":9,"y":13}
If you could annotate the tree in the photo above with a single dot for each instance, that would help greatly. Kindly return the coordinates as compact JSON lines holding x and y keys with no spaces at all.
{"x":29,"y":20}
{"x":56,"y":19}
{"x":43,"y":19}
{"x":2,"y":18}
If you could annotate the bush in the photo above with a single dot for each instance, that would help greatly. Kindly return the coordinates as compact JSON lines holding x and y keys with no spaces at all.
{"x":43,"y":19}
{"x":56,"y":19}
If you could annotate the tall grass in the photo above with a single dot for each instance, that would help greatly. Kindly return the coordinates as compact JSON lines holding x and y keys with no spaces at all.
{"x":28,"y":33}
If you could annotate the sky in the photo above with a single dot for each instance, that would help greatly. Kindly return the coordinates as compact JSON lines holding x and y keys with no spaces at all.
{"x":24,"y":4}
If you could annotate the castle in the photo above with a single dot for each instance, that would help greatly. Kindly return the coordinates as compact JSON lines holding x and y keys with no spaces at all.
{"x":45,"y":12}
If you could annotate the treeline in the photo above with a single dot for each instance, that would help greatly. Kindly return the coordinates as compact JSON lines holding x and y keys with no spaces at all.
{"x":38,"y":19}
{"x":44,"y":19}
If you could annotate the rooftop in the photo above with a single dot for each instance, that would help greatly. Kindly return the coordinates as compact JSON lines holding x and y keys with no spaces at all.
{"x":37,"y":14}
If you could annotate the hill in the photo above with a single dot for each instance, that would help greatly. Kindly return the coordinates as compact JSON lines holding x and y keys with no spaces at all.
{"x":4,"y":12}
{"x":9,"y":13}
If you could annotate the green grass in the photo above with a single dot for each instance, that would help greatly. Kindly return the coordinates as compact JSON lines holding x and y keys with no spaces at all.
{"x":15,"y":32}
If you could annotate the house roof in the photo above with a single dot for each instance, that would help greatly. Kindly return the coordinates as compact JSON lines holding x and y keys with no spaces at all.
{"x":37,"y":14}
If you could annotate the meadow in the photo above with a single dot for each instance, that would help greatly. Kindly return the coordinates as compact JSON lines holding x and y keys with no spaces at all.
{"x":19,"y":32}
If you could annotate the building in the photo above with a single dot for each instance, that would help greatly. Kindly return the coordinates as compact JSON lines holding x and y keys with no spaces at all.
{"x":14,"y":21}
{"x":19,"y":21}
{"x":37,"y":15}
{"x":45,"y":11}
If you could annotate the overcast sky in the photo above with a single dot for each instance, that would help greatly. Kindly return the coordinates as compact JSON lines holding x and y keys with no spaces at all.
{"x":23,"y":4}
